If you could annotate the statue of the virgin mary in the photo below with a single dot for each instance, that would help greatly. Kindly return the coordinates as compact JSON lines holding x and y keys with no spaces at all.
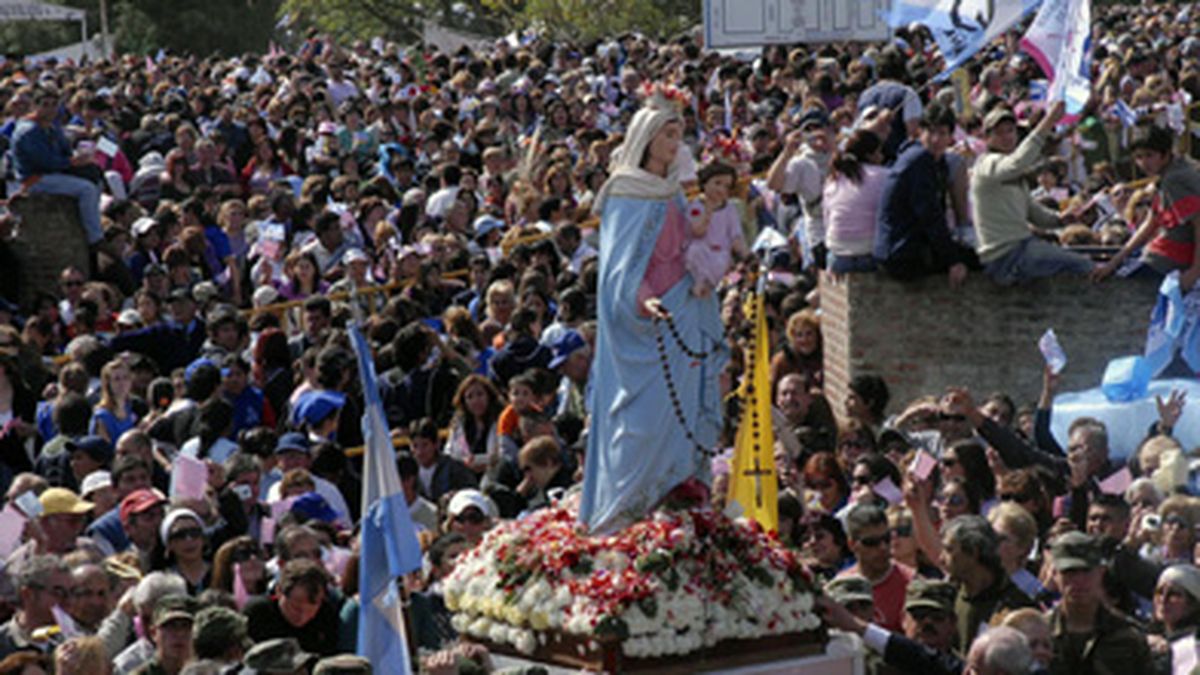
{"x":640,"y":445}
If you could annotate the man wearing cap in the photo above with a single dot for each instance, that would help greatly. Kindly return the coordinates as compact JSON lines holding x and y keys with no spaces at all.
{"x":130,"y":472}
{"x":927,"y":644}
{"x":799,"y":173}
{"x":855,"y":594}
{"x":1003,"y":208}
{"x":913,"y":239}
{"x":141,"y":514}
{"x":58,"y":528}
{"x":317,"y":412}
{"x":171,"y":633}
{"x":219,"y":634}
{"x":1089,"y":637}
{"x":573,"y":360}
{"x":343,"y":664}
{"x":293,"y":451}
{"x":971,"y":558}
{"x":357,"y":266}
{"x":280,"y":656}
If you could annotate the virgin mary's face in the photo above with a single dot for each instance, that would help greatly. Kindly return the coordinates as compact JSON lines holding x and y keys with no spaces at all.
{"x":665,"y":144}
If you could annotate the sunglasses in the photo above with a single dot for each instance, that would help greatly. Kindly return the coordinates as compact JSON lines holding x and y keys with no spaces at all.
{"x":949,"y":461}
{"x":862,"y":480}
{"x":953,"y":500}
{"x":1016,"y":497}
{"x":243,"y":554}
{"x":187,"y":533}
{"x":470,"y":518}
{"x":1175,"y":520}
{"x":872,"y":542}
{"x":59,"y":592}
{"x":902,"y":531}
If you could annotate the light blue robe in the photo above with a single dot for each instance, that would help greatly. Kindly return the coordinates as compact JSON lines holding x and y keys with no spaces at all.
{"x":637,"y":450}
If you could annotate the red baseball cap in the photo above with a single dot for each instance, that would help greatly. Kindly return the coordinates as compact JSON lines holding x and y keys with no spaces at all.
{"x":139,"y":501}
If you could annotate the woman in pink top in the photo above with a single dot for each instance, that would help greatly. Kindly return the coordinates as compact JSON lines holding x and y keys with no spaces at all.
{"x":851,"y":202}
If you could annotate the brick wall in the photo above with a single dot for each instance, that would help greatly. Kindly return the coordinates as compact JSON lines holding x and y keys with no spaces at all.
{"x":922,"y":337}
{"x":50,"y":239}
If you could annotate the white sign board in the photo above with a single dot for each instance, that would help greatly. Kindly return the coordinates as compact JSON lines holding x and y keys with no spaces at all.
{"x":739,"y":23}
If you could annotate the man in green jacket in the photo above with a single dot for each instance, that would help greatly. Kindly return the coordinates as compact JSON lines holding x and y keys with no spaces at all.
{"x":1003,"y":208}
{"x":1088,"y":637}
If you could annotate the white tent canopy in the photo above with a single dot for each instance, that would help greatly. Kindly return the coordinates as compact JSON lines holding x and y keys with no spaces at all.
{"x":30,"y":10}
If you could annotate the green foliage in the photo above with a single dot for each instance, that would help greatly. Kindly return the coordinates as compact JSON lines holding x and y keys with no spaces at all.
{"x":199,"y":27}
{"x":593,"y":19}
{"x":398,"y":20}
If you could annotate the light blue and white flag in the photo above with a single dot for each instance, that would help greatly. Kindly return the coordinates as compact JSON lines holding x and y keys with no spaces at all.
{"x":960,"y":27}
{"x":1038,"y":89}
{"x":1125,"y":113}
{"x":1059,"y":40}
{"x":389,"y":541}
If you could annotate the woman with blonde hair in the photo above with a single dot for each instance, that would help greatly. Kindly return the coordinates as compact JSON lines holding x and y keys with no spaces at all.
{"x":82,"y":656}
{"x":114,"y":413}
{"x":802,"y":353}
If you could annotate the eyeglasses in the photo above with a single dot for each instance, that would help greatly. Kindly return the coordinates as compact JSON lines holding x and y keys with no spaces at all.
{"x":471,"y":517}
{"x":902,"y":531}
{"x":872,"y":542}
{"x":1175,"y":520}
{"x":59,"y":592}
{"x":953,"y":500}
{"x":246,"y":553}
{"x":187,"y":533}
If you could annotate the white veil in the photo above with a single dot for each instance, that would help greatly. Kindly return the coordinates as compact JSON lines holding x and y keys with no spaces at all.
{"x":627,"y":178}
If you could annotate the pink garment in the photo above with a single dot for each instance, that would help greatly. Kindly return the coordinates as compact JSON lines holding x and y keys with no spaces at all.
{"x":666,"y":266}
{"x":850,"y":211}
{"x":708,"y":258}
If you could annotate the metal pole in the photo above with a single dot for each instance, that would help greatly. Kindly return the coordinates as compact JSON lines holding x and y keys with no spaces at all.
{"x":105,"y":46}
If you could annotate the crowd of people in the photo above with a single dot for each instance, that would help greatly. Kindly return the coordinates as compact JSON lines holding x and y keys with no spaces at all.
{"x":242,"y":211}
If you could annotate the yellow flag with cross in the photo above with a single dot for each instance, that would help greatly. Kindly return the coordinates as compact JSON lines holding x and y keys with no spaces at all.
{"x":752,"y":478}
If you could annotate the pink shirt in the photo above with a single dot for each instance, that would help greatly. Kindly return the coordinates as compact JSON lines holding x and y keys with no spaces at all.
{"x":850,"y":209}
{"x":666,"y":266}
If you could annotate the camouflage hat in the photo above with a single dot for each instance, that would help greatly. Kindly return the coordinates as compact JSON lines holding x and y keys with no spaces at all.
{"x":845,"y":590}
{"x":172,"y":607}
{"x":342,"y":664}
{"x":216,"y":628}
{"x":281,"y":655}
{"x":1076,"y":551}
{"x":930,"y":594}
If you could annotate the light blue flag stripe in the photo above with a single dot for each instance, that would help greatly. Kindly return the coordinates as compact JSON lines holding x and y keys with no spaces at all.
{"x":389,"y":541}
{"x":960,"y":27}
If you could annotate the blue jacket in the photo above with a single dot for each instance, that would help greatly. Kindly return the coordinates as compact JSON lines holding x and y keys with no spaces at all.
{"x":912,"y":211}
{"x":37,"y":150}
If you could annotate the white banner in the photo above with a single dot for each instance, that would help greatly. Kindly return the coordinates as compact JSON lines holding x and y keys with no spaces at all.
{"x":745,"y":23}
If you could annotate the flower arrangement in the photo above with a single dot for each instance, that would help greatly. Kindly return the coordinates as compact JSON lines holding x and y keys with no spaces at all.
{"x":676,"y":582}
{"x":670,"y":94}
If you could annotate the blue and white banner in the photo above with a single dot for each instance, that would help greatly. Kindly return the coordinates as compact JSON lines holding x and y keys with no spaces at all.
{"x":961,"y":27}
{"x":1125,"y":113}
{"x":1059,"y":40}
{"x":389,"y":541}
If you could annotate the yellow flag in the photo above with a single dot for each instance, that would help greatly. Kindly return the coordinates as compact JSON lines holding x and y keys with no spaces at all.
{"x":752,"y":482}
